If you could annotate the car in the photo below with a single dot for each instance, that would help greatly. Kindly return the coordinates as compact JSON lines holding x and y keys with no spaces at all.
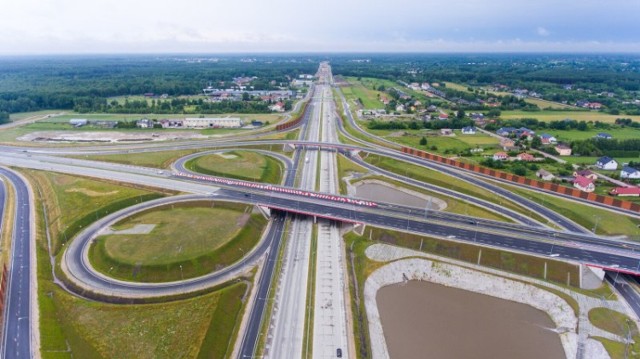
{"x":339,"y":353}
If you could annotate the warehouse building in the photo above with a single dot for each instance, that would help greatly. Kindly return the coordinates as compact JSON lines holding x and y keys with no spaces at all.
{"x":219,"y":122}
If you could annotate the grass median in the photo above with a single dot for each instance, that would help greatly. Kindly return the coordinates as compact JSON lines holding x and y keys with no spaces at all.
{"x":188,"y":240}
{"x":242,"y":165}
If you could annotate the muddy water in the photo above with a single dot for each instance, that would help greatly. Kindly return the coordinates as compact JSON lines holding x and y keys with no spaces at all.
{"x":377,"y":192}
{"x":427,"y":320}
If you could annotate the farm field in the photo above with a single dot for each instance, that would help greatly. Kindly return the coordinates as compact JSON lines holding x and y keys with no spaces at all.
{"x":573,"y":135}
{"x":453,"y":144}
{"x":368,"y":96}
{"x":547,"y":116}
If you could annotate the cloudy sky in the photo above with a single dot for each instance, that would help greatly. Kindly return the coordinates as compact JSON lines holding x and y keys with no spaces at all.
{"x":217,"y":26}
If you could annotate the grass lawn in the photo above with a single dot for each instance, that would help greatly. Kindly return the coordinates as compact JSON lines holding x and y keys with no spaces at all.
{"x":245,"y":165}
{"x":561,"y":115}
{"x":35,"y":114}
{"x":617,"y":133}
{"x":450,"y":144}
{"x":609,"y":223}
{"x":162,"y":159}
{"x":367,"y":95}
{"x":612,"y":321}
{"x":590,"y":161}
{"x":189,"y":240}
{"x":74,"y":202}
{"x":544,"y":104}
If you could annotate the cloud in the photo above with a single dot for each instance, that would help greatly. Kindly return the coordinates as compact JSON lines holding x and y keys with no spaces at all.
{"x":542,"y":31}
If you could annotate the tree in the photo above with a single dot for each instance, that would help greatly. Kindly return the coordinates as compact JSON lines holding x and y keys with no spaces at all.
{"x":536,"y":142}
{"x":246,"y":96}
{"x":460,"y":114}
{"x":423,"y":141}
{"x":4,"y":117}
{"x":520,"y":170}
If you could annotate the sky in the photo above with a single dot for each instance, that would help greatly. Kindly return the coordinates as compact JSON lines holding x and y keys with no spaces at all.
{"x":216,"y":26}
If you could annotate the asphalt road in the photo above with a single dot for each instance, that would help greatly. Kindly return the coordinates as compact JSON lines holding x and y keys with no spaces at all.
{"x":17,"y":322}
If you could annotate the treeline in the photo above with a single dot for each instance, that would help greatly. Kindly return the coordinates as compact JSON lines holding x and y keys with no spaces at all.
{"x":455,"y":123}
{"x":4,"y":117}
{"x":535,"y":124}
{"x":603,"y":147}
{"x":173,"y":106}
{"x":85,"y":82}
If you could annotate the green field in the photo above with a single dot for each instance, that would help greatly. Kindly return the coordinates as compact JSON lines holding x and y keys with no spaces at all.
{"x":449,"y":144}
{"x":618,"y":324}
{"x":74,"y":202}
{"x":578,"y":115}
{"x":245,"y":165}
{"x":190,"y":240}
{"x":162,"y":159}
{"x":369,"y":97}
{"x":35,"y":114}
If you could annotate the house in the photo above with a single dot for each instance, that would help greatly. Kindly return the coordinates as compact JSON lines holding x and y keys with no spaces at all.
{"x":545,"y":175}
{"x":607,"y":163}
{"x":548,"y":139}
{"x":584,"y":184}
{"x":507,"y":144}
{"x":524,"y":132}
{"x":603,"y":136}
{"x":505,"y":131}
{"x":214,"y":122}
{"x":469,"y":130}
{"x":500,"y":156}
{"x":586,"y":173}
{"x":629,"y":172}
{"x":170,"y":123}
{"x":446,"y":132}
{"x":144,"y":123}
{"x":432,"y":108}
{"x":443,"y":116}
{"x":400,"y":108}
{"x":563,"y":150}
{"x":625,"y":191}
{"x":595,"y":105}
{"x":278,"y":107}
{"x":525,"y":157}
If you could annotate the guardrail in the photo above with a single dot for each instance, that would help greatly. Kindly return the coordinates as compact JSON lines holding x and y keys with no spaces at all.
{"x":3,"y":297}
{"x":553,"y":187}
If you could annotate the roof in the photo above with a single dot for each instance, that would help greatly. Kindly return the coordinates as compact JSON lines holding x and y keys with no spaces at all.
{"x":468,"y":128}
{"x":584,"y":173}
{"x":583,"y":182}
{"x":546,"y":135}
{"x":628,"y":169}
{"x":563,"y":146}
{"x":603,"y":134}
{"x":605,"y":159}
{"x":544,"y":173}
{"x":501,"y":154}
{"x":626,"y":190}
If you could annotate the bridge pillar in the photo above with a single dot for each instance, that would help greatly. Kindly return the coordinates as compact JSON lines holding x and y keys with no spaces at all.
{"x":266,"y":211}
{"x":315,"y":219}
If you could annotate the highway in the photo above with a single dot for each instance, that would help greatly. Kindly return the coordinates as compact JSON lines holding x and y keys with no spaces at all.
{"x":18,"y":331}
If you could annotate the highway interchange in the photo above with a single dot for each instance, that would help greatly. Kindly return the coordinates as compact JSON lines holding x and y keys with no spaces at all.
{"x":318,"y":141}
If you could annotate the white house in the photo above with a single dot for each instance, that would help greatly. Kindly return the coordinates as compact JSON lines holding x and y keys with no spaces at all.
{"x":219,"y":122}
{"x":548,"y":139}
{"x":500,"y":156}
{"x":607,"y":163}
{"x":584,"y":184}
{"x":629,"y":172}
{"x":469,"y":130}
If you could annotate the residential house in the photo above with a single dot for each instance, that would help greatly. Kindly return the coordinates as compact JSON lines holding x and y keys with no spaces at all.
{"x":78,"y":122}
{"x":505,"y":131}
{"x":607,"y":163}
{"x":563,"y":149}
{"x":144,"y":123}
{"x":525,"y":157}
{"x":432,"y":108}
{"x":629,"y":172}
{"x":469,"y":130}
{"x":548,"y":139}
{"x":603,"y":136}
{"x":584,"y":184}
{"x":277,"y":107}
{"x":524,"y":132}
{"x":508,"y":144}
{"x":171,"y":123}
{"x":586,"y":173}
{"x":446,"y":132}
{"x":545,"y":175}
{"x":400,"y":108}
{"x":625,"y":191}
{"x":500,"y":156}
{"x":443,"y":116}
{"x":594,"y":105}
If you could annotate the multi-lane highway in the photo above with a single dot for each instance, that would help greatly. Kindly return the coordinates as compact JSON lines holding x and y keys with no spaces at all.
{"x":18,"y":331}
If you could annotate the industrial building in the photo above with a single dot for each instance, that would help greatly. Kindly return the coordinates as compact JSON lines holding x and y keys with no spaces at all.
{"x":219,"y":122}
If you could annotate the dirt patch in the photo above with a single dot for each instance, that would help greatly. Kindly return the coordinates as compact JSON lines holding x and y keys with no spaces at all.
{"x":89,"y":192}
{"x":397,"y":134}
{"x":137,"y":229}
{"x":108,"y":136}
{"x":243,"y":219}
{"x":227,"y":156}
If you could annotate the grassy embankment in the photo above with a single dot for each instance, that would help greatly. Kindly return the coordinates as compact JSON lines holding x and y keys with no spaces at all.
{"x":429,"y":176}
{"x":609,"y":223}
{"x":618,"y":324}
{"x":7,"y":224}
{"x":244,"y":165}
{"x":71,"y":327}
{"x":189,"y":240}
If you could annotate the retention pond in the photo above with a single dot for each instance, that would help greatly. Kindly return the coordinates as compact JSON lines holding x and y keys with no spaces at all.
{"x":427,"y":320}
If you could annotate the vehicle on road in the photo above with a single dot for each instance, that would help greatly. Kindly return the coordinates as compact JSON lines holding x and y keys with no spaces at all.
{"x":339,"y":353}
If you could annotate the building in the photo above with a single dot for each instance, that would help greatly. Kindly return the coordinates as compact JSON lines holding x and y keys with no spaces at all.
{"x":443,"y":116}
{"x":524,"y":132}
{"x":500,"y":156}
{"x":508,"y":144}
{"x":629,"y":172}
{"x":603,"y":136}
{"x":505,"y":131}
{"x":469,"y":130}
{"x":545,"y":175}
{"x":607,"y":163}
{"x":586,"y":173}
{"x":78,"y":122}
{"x":446,"y":132}
{"x":277,"y":107}
{"x":220,"y":122}
{"x":584,"y":184}
{"x":171,"y":123}
{"x":525,"y":157}
{"x":548,"y":139}
{"x":144,"y":123}
{"x":625,"y":191}
{"x":563,"y":150}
